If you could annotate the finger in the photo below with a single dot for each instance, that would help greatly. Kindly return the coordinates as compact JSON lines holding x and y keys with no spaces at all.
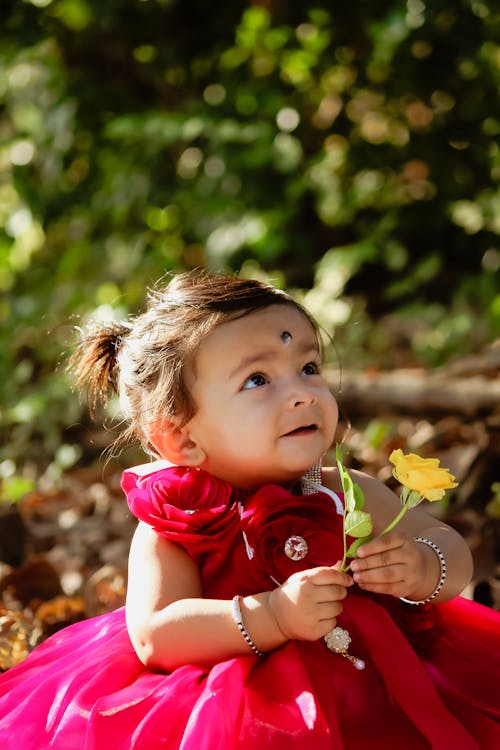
{"x":393,"y":540}
{"x":382,"y":556}
{"x":329,"y":611}
{"x":327,"y":626}
{"x":326,"y":576}
{"x":338,"y":567}
{"x":398,"y":588}
{"x":382,"y":575}
{"x":382,"y":559}
{"x":331,"y":593}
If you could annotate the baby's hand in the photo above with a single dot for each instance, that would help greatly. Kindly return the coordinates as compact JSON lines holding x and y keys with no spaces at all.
{"x":307,"y":605}
{"x":391,"y":564}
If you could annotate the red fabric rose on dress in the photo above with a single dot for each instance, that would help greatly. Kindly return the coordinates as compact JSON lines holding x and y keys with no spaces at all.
{"x":287,"y":533}
{"x":187,"y":506}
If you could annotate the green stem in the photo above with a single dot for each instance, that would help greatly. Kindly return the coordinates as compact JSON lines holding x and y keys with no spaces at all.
{"x":344,"y":539}
{"x":395,"y":520}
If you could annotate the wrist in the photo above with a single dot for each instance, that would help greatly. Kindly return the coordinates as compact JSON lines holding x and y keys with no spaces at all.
{"x":434,"y":572}
{"x":273,"y":606}
{"x":261,"y":622}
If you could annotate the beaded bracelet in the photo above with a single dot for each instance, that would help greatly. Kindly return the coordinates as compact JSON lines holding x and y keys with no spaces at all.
{"x":236,"y":613}
{"x":442,"y":577}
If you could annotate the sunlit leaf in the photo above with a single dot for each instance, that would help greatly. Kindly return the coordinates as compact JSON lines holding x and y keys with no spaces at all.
{"x":358,"y":524}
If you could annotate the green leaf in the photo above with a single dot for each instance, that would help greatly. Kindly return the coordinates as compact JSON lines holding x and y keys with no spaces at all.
{"x":347,"y":484}
{"x":353,"y":549}
{"x":354,"y":498}
{"x":358,"y":523}
{"x":348,"y":489}
{"x":359,"y":498}
{"x":338,"y":456}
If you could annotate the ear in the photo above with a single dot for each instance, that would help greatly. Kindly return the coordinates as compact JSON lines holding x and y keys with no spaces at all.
{"x":174,"y":443}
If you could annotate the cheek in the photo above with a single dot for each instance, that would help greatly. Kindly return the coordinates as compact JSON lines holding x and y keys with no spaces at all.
{"x":332,"y":412}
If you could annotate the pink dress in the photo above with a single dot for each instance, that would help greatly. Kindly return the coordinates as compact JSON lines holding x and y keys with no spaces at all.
{"x":430,"y":682}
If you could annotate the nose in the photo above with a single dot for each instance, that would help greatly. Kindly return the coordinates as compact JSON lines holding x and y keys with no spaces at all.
{"x":300,"y":394}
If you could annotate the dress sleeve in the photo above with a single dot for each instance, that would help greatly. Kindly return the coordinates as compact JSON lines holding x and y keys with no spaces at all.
{"x":186,"y":506}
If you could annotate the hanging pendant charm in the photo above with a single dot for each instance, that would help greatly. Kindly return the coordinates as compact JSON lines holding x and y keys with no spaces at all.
{"x":338,"y":641}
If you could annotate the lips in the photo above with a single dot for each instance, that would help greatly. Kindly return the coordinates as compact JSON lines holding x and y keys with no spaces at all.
{"x":302,"y":430}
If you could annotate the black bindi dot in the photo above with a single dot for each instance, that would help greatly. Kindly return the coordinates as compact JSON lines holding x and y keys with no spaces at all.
{"x":286,"y":337}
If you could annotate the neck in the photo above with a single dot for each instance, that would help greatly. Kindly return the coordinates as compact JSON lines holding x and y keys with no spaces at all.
{"x":294,"y":487}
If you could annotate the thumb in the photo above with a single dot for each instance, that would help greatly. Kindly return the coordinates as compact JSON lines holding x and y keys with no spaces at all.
{"x":347,"y":579}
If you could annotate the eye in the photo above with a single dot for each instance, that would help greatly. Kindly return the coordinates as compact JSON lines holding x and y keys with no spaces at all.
{"x":312,"y":368}
{"x":255,"y":381}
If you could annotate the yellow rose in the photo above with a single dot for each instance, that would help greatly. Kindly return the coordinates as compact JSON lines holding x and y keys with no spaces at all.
{"x":423,"y":475}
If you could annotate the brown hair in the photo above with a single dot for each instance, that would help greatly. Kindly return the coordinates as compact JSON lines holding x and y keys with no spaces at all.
{"x":146,"y":360}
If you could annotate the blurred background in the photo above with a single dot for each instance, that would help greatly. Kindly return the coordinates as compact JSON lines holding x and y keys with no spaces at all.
{"x":348,"y":152}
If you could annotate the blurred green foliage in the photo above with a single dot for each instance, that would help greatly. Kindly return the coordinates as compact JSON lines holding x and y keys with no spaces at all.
{"x":346,"y":148}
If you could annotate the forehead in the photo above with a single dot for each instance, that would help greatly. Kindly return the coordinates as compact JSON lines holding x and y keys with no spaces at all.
{"x":261,"y":330}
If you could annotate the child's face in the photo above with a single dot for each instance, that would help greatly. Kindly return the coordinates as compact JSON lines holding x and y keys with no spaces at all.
{"x":264,"y":412}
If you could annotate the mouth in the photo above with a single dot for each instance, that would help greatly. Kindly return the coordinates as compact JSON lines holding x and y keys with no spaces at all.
{"x":302,"y":430}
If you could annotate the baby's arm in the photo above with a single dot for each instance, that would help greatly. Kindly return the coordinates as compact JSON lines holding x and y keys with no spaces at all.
{"x":394,"y":563}
{"x":170,"y":624}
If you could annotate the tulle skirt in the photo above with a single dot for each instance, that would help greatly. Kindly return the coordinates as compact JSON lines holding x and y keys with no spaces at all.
{"x":429,"y":682}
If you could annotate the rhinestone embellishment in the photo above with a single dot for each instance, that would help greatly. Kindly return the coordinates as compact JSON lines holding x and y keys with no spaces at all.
{"x":338,"y":641}
{"x":296,"y":548}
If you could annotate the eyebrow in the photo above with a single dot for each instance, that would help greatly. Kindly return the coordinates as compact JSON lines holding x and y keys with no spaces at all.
{"x":263,"y":356}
